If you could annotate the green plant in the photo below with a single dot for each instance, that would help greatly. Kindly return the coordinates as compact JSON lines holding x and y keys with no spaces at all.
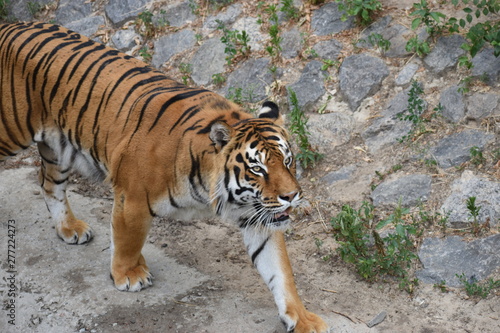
{"x":3,"y":9}
{"x":298,"y":126}
{"x":291,"y":12}
{"x":414,"y":111}
{"x":236,"y":42}
{"x":441,"y":286}
{"x":363,"y":10}
{"x":476,"y":156}
{"x":146,"y":18}
{"x":194,"y":6}
{"x":327,"y":63}
{"x":474,"y":288}
{"x":432,"y":20}
{"x":390,"y":255}
{"x":379,"y":41}
{"x":34,"y":7}
{"x":421,"y":48}
{"x":186,"y":71}
{"x":480,"y":33}
{"x":271,"y":21}
{"x":144,"y":53}
{"x":218,"y":79}
{"x":473,"y":213}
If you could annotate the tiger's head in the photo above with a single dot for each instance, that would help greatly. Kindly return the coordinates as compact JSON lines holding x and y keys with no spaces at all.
{"x":256,"y":184}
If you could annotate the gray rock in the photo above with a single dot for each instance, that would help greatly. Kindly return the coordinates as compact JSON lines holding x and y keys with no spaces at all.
{"x":328,"y":49}
{"x":387,"y":129}
{"x":377,"y":27}
{"x":178,"y":15}
{"x":336,"y":176}
{"x":330,"y":129}
{"x":291,"y":43}
{"x":481,"y":105}
{"x":395,"y":34}
{"x":487,"y":195}
{"x":455,"y":149}
{"x":445,"y":54}
{"x":86,"y":26}
{"x":20,"y":9}
{"x":443,"y":258}
{"x":208,"y":60}
{"x":327,"y":20}
{"x":361,"y":76}
{"x":169,"y":45}
{"x":406,"y":74}
{"x":119,"y":11}
{"x":124,"y":40}
{"x":252,"y":76}
{"x":227,"y":17}
{"x":309,"y":88}
{"x":409,"y":189}
{"x":252,"y":28}
{"x":377,"y":319}
{"x":453,"y":104}
{"x":69,"y":11}
{"x":486,"y":65}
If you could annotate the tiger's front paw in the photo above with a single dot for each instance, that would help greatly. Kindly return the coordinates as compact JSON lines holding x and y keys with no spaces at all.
{"x":304,"y":321}
{"x":74,"y":232}
{"x":133,"y":279}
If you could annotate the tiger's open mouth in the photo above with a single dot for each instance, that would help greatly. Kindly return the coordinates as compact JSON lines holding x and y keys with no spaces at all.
{"x":282,"y":216}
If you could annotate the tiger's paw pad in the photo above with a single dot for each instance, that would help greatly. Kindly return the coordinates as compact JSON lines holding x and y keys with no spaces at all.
{"x":308,"y":322}
{"x":133,"y":280}
{"x":77,"y":232}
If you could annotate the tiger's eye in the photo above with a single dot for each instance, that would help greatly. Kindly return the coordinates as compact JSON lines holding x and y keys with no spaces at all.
{"x":256,"y":168}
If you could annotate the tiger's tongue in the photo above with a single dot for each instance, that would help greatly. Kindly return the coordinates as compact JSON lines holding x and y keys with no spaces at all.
{"x":283,"y":214}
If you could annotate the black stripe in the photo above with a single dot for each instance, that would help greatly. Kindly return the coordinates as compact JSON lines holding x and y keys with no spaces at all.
{"x":151,"y":211}
{"x":187,"y":114}
{"x":259,"y":250}
{"x":174,"y":99}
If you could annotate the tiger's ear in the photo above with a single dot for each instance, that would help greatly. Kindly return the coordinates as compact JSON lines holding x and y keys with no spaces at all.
{"x":220,"y":134}
{"x":271,"y":111}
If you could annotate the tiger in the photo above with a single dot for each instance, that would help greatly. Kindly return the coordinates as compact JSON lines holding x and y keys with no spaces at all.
{"x":165,"y":148}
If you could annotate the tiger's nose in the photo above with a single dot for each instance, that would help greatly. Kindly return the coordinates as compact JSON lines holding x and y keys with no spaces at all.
{"x":288,"y":196}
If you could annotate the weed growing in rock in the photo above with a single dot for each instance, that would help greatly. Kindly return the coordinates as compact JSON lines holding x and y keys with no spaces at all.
{"x":218,"y":79}
{"x":237,"y":42}
{"x":144,"y":53}
{"x":298,"y":126}
{"x":441,"y":286}
{"x":373,"y":255}
{"x":3,"y":9}
{"x":413,"y":113}
{"x":186,"y":71}
{"x":291,"y":12}
{"x":379,"y":41}
{"x":475,"y":289}
{"x":271,"y":22}
{"x":146,"y":19}
{"x":34,"y":7}
{"x":476,"y":156}
{"x":420,"y":47}
{"x":473,"y":214}
{"x":363,"y":10}
{"x":327,"y":63}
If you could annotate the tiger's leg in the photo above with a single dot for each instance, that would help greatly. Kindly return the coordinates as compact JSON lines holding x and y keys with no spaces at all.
{"x":53,"y":178}
{"x":129,"y":228}
{"x":269,"y":255}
